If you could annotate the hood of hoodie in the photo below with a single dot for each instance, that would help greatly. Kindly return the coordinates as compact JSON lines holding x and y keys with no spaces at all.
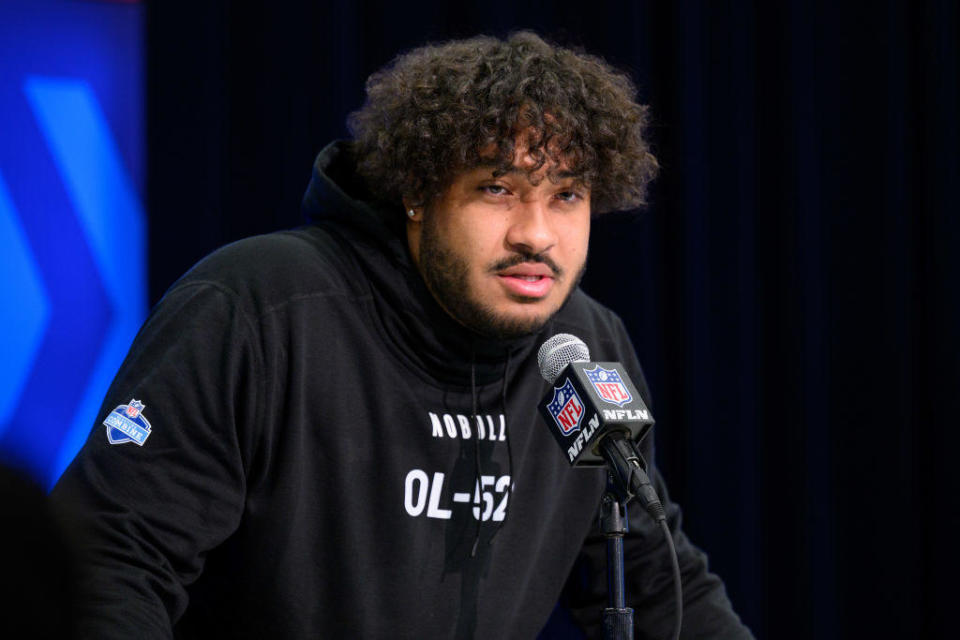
{"x":425,"y":334}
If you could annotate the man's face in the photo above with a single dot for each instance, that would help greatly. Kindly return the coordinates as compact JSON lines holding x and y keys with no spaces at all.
{"x":501,"y":254}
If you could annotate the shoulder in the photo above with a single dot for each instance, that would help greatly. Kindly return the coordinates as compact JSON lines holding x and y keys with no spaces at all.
{"x":604,"y":333}
{"x":595,"y":324}
{"x":273,"y":269}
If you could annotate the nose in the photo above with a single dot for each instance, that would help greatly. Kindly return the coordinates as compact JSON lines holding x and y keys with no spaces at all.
{"x":531,"y":230}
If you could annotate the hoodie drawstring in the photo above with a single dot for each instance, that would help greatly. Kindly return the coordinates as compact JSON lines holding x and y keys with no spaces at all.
{"x":506,"y":423}
{"x":476,"y":446}
{"x":476,"y":443}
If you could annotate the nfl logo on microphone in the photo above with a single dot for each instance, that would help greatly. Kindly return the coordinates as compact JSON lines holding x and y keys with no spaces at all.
{"x":566,"y":408}
{"x":609,"y":385}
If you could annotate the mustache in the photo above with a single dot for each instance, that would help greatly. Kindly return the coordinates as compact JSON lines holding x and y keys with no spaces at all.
{"x":520,"y":258}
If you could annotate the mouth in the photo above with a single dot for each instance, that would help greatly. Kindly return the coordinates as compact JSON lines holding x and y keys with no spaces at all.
{"x":528,"y":280}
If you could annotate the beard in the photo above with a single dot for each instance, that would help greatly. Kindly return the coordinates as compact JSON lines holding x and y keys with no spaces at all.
{"x":446,"y":274}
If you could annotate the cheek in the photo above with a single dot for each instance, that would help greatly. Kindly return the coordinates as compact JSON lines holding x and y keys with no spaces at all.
{"x":576,"y":241}
{"x":482,"y":244}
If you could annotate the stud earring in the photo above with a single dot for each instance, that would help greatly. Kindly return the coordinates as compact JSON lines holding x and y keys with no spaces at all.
{"x":411,"y":214}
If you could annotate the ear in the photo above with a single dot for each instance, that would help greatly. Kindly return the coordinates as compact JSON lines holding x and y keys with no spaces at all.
{"x":414,"y":229}
{"x":413,"y":211}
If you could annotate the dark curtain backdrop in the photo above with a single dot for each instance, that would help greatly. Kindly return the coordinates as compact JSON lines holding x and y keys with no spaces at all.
{"x":790,"y":289}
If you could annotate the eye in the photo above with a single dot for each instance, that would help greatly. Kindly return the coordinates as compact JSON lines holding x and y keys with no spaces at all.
{"x":569,"y":196}
{"x":494,"y":189}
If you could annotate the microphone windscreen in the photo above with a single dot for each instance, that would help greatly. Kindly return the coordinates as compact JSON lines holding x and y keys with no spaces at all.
{"x":559,"y":351}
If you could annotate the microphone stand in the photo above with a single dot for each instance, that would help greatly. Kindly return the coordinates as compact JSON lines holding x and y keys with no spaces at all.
{"x":626,"y":479}
{"x":617,"y":617}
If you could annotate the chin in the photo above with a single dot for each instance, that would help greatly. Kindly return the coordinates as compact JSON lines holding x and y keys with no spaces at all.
{"x":506,"y":325}
{"x":495,"y":315}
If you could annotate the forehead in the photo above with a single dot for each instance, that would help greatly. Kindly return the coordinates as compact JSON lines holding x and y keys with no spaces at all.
{"x":534,"y":165}
{"x":550,"y":170}
{"x":548,"y":174}
{"x":495,"y":160}
{"x":526,"y":150}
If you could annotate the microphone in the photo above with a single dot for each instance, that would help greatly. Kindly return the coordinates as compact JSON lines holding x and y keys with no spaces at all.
{"x":597,"y":418}
{"x":589,"y":400}
{"x":596,"y":415}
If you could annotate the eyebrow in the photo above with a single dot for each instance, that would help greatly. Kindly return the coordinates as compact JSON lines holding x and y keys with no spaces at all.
{"x":515,"y":171}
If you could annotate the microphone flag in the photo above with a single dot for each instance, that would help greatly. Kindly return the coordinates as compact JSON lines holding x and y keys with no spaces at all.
{"x":588,"y":400}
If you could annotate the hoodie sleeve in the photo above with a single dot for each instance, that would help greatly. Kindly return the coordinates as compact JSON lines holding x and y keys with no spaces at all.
{"x":144,"y":515}
{"x":707,"y":611}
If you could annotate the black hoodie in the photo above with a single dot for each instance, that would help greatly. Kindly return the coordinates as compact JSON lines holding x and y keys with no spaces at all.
{"x":317,"y":425}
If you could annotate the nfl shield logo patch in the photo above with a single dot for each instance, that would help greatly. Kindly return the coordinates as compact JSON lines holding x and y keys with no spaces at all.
{"x":133,"y":409}
{"x":127,"y":424}
{"x":609,"y":385}
{"x":566,"y":408}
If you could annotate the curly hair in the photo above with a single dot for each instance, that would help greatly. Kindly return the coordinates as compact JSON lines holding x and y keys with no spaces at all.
{"x":442,"y":109}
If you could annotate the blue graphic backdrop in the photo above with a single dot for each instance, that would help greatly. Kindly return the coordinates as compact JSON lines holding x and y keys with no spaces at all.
{"x":72,"y":227}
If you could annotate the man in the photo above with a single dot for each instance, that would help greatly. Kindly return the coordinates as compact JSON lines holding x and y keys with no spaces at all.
{"x":332,"y":431}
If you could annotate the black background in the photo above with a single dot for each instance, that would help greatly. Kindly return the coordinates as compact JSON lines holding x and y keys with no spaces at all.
{"x":790,"y":289}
